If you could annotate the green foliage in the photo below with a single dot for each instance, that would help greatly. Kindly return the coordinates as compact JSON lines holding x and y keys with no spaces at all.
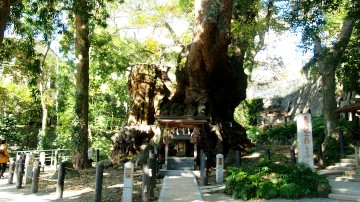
{"x":332,"y":150}
{"x":318,"y":129}
{"x":245,"y":114}
{"x":349,"y":72}
{"x":269,"y":180}
{"x":280,"y":132}
{"x":8,"y":130}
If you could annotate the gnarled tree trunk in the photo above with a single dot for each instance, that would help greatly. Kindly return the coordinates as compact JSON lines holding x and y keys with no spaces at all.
{"x":211,"y":83}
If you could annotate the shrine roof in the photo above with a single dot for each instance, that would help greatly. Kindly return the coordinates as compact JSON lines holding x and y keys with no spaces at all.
{"x":183,"y":120}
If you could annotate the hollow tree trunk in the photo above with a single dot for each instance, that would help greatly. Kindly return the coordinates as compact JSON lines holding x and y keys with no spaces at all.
{"x":149,"y":88}
{"x":80,"y":132}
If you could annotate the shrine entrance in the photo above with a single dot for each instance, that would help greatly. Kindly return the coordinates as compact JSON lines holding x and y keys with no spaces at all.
{"x":181,"y":135}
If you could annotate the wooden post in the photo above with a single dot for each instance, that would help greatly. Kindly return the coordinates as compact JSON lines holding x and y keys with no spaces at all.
{"x":292,"y":155}
{"x":11,"y":171}
{"x":203,"y":172}
{"x":156,"y":156}
{"x":98,"y":182}
{"x":35,"y":180}
{"x":97,"y":155}
{"x":145,"y":184}
{"x":238,"y":158}
{"x":20,"y":173}
{"x":341,"y":140}
{"x":357,"y":155}
{"x":267,"y":154}
{"x":60,"y":181}
{"x":151,"y":164}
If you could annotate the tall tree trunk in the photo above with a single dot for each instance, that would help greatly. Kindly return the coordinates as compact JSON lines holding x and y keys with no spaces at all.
{"x":4,"y":16}
{"x":43,"y":86}
{"x":327,"y":63}
{"x":80,"y":132}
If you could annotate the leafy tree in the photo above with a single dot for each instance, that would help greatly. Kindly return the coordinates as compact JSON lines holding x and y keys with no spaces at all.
{"x":319,"y":22}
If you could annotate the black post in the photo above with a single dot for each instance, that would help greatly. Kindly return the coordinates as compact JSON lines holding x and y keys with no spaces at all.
{"x":292,"y":155}
{"x":97,"y":155}
{"x":204,"y":179}
{"x":11,"y":170}
{"x":145,"y":184}
{"x":341,"y":140}
{"x":321,"y":163}
{"x":35,"y":180}
{"x":156,"y":156}
{"x":20,"y":173}
{"x":238,"y":158}
{"x":98,"y":182}
{"x":267,"y":154}
{"x":60,"y":181}
{"x":151,"y":163}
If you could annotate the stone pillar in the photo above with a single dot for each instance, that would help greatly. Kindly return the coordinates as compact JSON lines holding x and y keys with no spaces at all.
{"x":305,"y":140}
{"x":42,"y":160}
{"x":195,"y":156}
{"x":29,"y":160}
{"x":219,"y":168}
{"x":11,"y":171}
{"x":145,"y":184}
{"x":128,"y":181}
{"x":166,"y":155}
{"x":56,"y":159}
{"x":90,"y":153}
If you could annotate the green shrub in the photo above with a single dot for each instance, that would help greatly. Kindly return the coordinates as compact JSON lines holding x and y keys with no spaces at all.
{"x":269,"y":180}
{"x":281,"y":132}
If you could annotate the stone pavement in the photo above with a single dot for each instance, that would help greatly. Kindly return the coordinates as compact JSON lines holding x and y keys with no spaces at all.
{"x":180,"y":188}
{"x":9,"y":193}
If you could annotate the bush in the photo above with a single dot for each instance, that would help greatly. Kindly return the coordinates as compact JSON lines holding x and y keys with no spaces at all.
{"x":269,"y":180}
{"x":281,"y":132}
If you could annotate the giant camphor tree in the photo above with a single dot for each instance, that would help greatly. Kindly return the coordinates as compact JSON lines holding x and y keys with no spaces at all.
{"x":328,"y":26}
{"x":208,"y":83}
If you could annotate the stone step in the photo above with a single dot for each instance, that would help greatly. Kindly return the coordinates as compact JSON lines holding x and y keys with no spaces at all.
{"x":350,"y":156}
{"x":345,"y":165}
{"x":348,"y":160}
{"x":349,"y":191}
{"x":347,"y":179}
{"x":344,"y":197}
{"x":340,"y":168}
{"x":330,"y":172}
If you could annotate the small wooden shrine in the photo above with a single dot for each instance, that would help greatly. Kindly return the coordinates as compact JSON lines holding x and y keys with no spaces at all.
{"x":183,"y":132}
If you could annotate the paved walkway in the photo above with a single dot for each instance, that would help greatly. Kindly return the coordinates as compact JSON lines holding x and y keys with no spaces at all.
{"x":180,"y":188}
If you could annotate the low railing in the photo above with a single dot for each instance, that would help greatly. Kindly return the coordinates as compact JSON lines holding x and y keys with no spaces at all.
{"x":49,"y":157}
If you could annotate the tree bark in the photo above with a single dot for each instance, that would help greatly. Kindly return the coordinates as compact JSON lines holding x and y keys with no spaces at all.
{"x":80,"y":132}
{"x":4,"y":16}
{"x":327,"y":63}
{"x":211,"y":83}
